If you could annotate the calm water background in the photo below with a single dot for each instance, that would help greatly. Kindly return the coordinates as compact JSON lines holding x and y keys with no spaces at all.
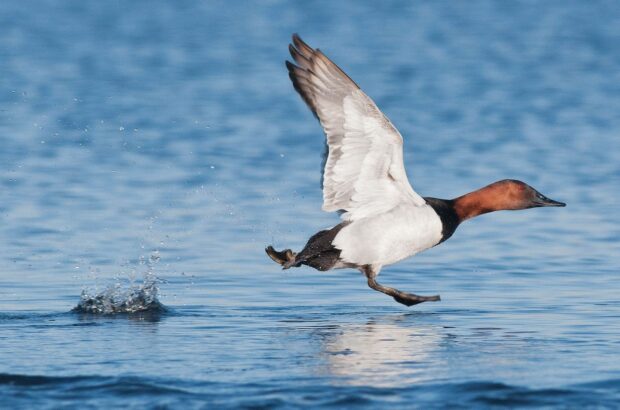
{"x":170,"y":129}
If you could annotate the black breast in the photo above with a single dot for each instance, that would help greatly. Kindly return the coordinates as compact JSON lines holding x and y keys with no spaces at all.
{"x":447,"y":214}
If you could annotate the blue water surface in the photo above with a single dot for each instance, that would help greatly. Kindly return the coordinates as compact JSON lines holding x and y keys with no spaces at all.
{"x":162,"y":144}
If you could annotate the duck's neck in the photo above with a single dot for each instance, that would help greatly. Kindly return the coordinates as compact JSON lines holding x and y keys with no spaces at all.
{"x":507,"y":194}
{"x":452,"y":212}
{"x":482,"y":201}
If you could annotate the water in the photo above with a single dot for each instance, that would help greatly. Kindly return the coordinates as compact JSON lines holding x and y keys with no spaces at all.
{"x":133,"y":129}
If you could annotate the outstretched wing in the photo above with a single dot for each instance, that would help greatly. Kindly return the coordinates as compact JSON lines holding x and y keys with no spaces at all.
{"x":364,"y":173}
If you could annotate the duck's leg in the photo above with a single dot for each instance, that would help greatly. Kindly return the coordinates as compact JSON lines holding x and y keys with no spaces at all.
{"x":408,"y":299}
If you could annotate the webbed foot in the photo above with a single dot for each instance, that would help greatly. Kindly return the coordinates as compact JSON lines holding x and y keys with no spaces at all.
{"x":284,"y":258}
{"x":409,"y":299}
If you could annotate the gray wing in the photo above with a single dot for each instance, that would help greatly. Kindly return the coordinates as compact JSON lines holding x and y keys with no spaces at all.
{"x":364,"y":172}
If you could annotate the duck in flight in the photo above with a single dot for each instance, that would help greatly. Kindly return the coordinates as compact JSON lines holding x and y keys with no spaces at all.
{"x":383,"y":219}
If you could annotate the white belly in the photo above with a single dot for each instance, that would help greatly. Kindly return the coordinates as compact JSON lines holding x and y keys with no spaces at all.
{"x":390,"y":237}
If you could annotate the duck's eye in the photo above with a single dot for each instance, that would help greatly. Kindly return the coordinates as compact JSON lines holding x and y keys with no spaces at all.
{"x":540,"y":196}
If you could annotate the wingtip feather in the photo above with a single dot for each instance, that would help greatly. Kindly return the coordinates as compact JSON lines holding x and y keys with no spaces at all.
{"x":301,"y":46}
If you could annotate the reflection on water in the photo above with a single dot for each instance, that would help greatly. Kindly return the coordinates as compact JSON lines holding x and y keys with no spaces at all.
{"x":390,"y":351}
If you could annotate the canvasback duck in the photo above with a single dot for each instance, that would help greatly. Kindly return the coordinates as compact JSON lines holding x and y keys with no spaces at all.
{"x":383,"y":219}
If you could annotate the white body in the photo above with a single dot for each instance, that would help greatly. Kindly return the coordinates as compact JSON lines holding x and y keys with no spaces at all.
{"x":390,"y":237}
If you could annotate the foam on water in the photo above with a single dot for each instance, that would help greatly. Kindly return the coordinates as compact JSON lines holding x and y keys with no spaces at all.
{"x":119,"y":298}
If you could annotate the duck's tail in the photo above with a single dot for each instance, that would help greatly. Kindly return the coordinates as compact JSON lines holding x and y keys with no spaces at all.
{"x":318,"y":253}
{"x":285,"y":258}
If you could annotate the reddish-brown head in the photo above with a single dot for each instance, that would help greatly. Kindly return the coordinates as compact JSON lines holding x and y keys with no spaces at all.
{"x":508,"y":194}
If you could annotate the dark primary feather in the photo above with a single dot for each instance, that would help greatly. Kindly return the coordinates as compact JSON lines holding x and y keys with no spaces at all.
{"x":304,"y":75}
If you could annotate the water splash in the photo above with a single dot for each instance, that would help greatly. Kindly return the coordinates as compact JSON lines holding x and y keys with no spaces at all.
{"x":136,"y":297}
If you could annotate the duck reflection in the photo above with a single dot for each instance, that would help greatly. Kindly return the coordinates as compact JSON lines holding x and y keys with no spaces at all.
{"x":384,"y":352}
